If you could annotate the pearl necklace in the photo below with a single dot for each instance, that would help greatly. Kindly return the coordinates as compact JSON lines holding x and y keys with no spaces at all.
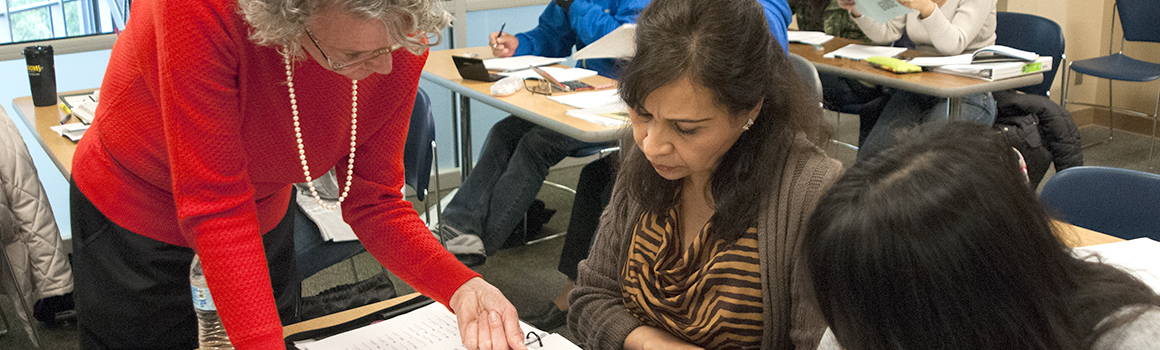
{"x":302,"y":150}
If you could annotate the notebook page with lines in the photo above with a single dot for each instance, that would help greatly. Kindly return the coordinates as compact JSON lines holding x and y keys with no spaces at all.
{"x":427,"y":328}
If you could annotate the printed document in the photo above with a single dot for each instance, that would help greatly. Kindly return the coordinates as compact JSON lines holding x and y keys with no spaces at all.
{"x":620,"y":43}
{"x":431,"y":327}
{"x":882,"y":11}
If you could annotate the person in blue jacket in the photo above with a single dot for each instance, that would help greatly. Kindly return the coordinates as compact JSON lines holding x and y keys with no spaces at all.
{"x":517,"y":153}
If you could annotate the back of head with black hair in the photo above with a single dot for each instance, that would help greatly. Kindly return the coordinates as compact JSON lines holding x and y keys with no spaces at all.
{"x":938,"y":243}
{"x":725,"y":46}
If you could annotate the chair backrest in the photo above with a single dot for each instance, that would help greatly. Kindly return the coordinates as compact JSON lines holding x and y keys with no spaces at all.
{"x":1119,"y":202}
{"x":417,"y":151}
{"x":1138,"y":19}
{"x":807,"y":73}
{"x":1036,"y":34}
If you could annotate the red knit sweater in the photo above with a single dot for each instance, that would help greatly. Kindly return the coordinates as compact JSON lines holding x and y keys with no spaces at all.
{"x":194,"y":145}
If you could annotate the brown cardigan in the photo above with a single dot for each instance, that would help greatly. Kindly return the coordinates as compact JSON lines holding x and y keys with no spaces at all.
{"x":599,"y":319}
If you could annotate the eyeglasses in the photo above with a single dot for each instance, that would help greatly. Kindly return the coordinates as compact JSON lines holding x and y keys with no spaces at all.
{"x":543,"y":87}
{"x":360,"y":59}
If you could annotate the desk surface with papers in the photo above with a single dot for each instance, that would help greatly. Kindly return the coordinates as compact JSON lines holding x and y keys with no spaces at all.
{"x":432,"y":326}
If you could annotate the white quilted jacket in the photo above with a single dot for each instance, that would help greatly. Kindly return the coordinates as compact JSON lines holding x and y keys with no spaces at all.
{"x":28,"y":231}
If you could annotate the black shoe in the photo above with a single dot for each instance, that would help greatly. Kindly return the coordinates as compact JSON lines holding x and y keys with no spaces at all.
{"x":549,"y":318}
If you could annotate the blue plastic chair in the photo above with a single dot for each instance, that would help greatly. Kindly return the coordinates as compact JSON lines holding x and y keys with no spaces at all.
{"x":1138,"y":19}
{"x":1119,"y":202}
{"x":1036,"y":34}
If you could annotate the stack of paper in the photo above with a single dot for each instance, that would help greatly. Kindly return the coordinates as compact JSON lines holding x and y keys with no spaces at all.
{"x":83,"y":106}
{"x":515,"y":63}
{"x":588,"y":99}
{"x":993,"y":53}
{"x":860,"y":52}
{"x":73,"y":131}
{"x":809,"y":37}
{"x":561,"y":74}
{"x":610,"y":115}
{"x":996,"y":71}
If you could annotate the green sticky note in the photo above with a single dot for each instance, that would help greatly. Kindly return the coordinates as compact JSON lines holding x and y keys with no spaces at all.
{"x":1033,"y":67}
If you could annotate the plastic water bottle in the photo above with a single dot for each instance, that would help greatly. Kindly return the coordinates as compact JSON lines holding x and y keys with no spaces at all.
{"x":211,"y":335}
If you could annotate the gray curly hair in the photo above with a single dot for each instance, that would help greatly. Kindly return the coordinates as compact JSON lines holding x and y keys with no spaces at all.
{"x":280,"y":23}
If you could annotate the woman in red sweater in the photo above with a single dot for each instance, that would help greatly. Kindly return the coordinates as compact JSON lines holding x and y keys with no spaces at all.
{"x":210,"y":111}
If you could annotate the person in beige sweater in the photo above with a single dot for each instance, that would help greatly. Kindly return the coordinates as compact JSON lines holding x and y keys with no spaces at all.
{"x":698,"y":247}
{"x":943,"y":27}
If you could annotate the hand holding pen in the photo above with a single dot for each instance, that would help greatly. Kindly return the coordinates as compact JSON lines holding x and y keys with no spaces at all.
{"x":503,"y":44}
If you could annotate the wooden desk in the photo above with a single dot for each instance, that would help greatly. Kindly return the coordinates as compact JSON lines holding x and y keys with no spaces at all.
{"x":950,"y":86}
{"x":38,"y":120}
{"x":440,"y":69}
{"x":1072,"y":235}
{"x":1075,"y":236}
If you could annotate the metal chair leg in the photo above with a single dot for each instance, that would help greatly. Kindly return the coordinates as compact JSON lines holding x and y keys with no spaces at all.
{"x":1155,"y":113}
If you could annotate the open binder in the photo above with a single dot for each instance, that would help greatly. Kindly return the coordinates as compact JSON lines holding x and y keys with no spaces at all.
{"x":418,"y":324}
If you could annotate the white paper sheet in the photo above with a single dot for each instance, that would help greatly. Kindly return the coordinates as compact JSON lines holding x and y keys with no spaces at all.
{"x":881,"y":11}
{"x":620,"y":43}
{"x":1137,"y":257}
{"x":587,"y":99}
{"x":860,"y":52}
{"x":73,"y":131}
{"x":431,"y":327}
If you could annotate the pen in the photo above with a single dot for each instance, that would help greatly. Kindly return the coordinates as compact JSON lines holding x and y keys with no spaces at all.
{"x":67,"y":113}
{"x":499,"y":35}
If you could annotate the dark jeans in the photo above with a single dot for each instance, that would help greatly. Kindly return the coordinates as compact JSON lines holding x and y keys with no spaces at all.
{"x":906,"y":109}
{"x":592,"y":194}
{"x":516,"y":157}
{"x":132,"y":292}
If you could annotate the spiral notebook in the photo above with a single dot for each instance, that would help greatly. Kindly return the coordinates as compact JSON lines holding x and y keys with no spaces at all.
{"x":431,"y":327}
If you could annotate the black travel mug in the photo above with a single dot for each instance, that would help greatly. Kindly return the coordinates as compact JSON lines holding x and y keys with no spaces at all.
{"x":41,"y":75}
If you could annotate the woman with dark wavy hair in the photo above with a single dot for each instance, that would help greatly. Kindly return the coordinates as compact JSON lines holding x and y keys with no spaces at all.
{"x":698,"y":247}
{"x":939,"y":243}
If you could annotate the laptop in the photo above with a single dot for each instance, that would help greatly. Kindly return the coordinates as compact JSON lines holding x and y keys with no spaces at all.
{"x":473,"y":68}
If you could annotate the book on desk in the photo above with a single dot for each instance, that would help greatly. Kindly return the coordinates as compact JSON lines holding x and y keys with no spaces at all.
{"x":992,"y":71}
{"x":988,"y":63}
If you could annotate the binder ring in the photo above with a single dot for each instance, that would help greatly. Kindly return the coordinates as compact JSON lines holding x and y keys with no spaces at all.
{"x":538,"y":341}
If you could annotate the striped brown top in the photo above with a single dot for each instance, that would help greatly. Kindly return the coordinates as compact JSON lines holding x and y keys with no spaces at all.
{"x":708,"y":294}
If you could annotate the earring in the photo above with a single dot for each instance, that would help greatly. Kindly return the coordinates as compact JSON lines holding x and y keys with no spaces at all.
{"x":747,"y":124}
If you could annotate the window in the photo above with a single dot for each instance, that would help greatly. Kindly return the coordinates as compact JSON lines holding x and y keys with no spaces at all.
{"x":37,"y":20}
